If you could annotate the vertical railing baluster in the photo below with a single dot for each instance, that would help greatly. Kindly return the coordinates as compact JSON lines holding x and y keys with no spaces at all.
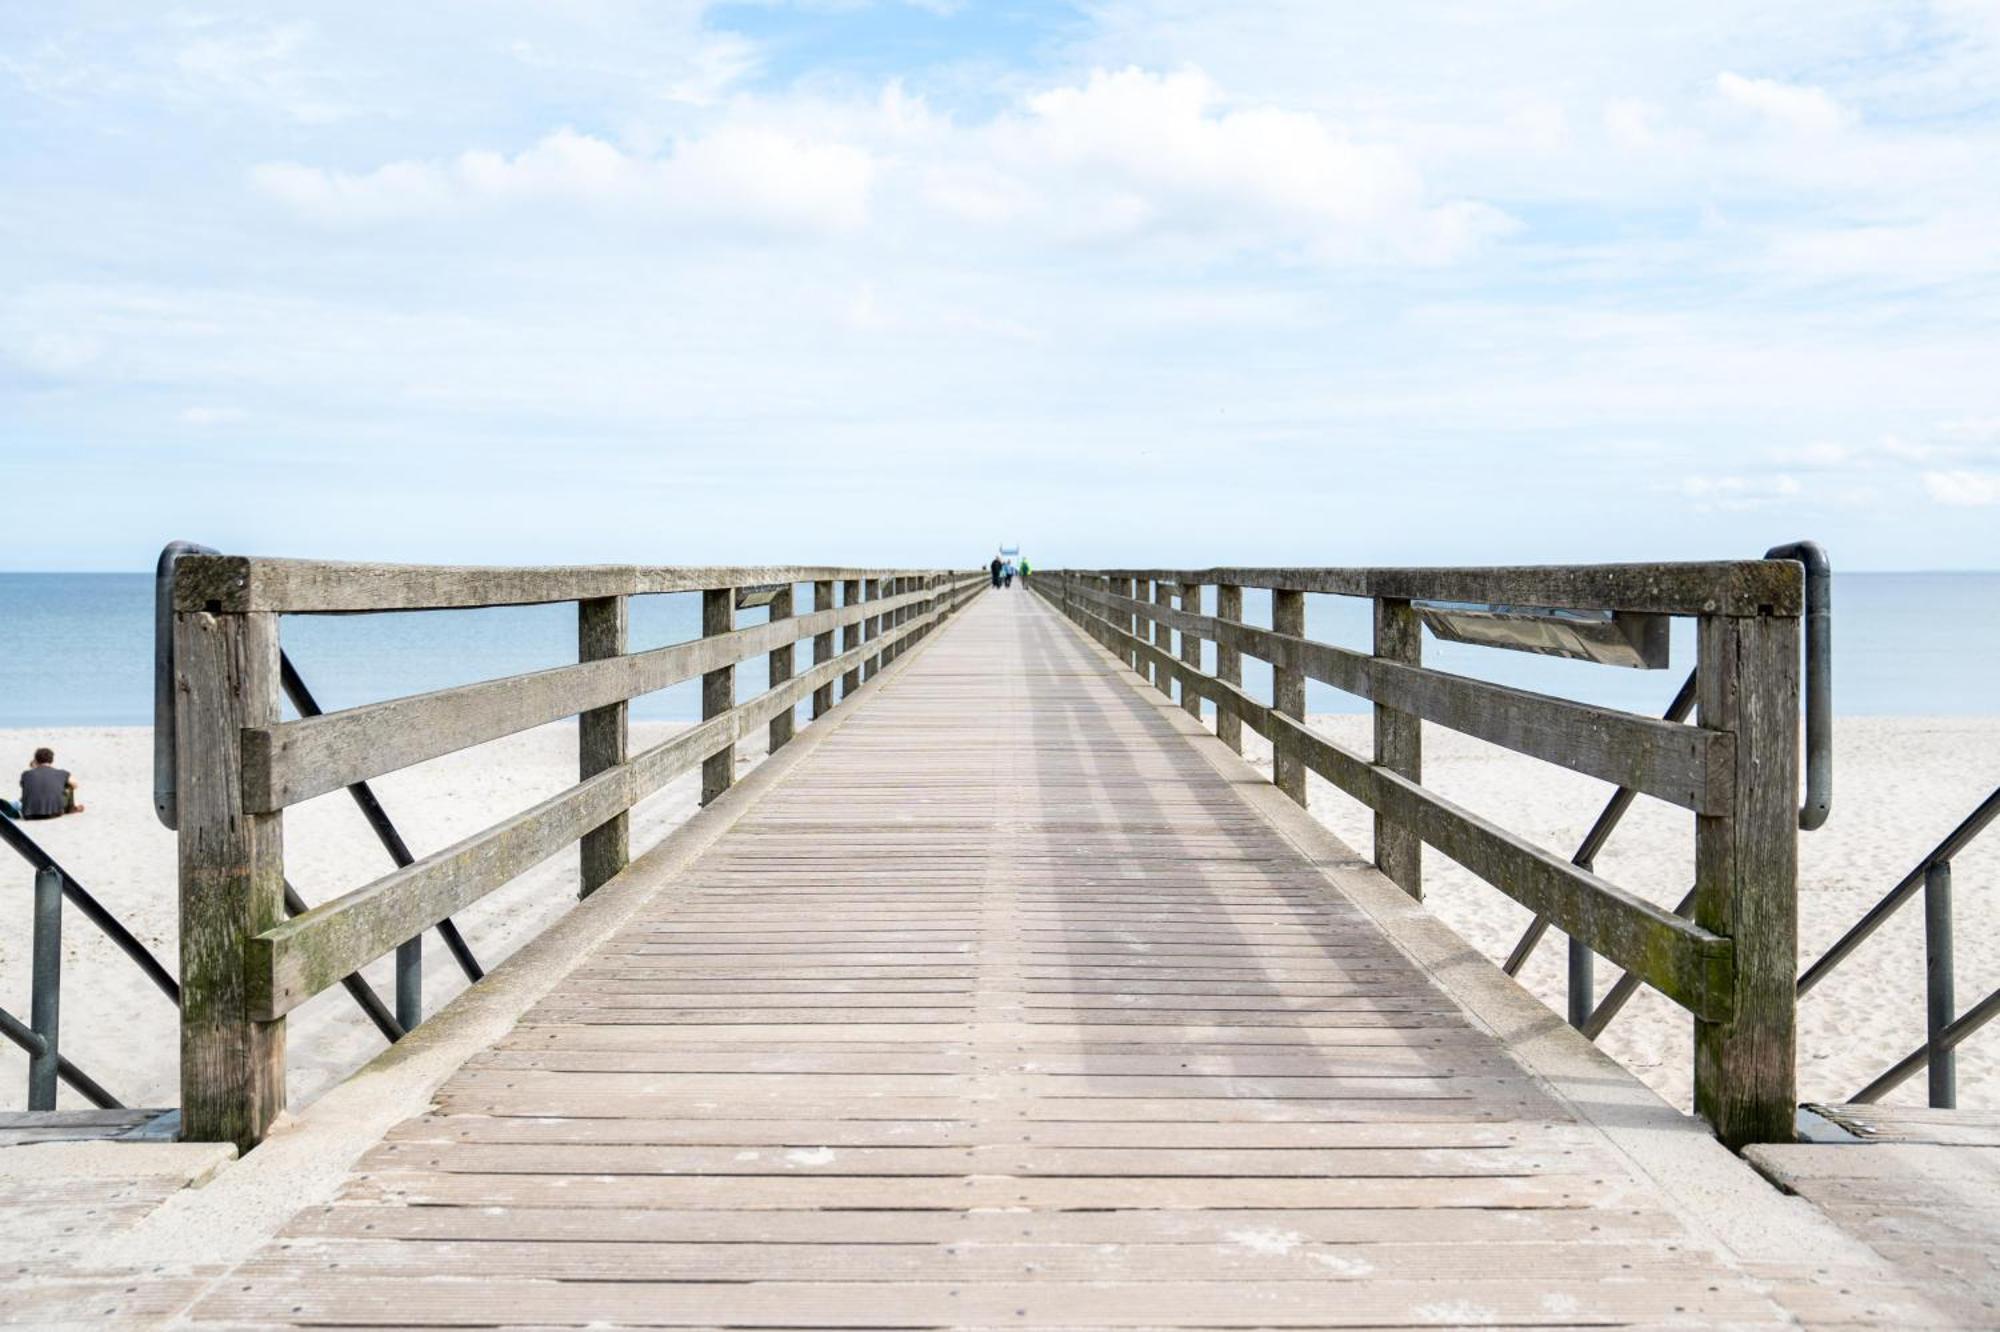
{"x":1163,"y":638}
{"x":781,"y":659}
{"x":232,"y":874}
{"x":1191,"y":650}
{"x":1582,"y":984}
{"x":822,"y":647}
{"x":410,"y":983}
{"x":1288,"y":693}
{"x":1228,"y":664}
{"x":1746,"y":876}
{"x":850,"y":636}
{"x":718,"y":691}
{"x":603,"y":740}
{"x":1399,"y":637}
{"x":45,"y":1011}
{"x":1940,"y":1001}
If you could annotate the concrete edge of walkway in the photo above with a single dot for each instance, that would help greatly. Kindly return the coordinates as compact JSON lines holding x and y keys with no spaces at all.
{"x":307,"y":1157}
{"x":1716,"y":1192}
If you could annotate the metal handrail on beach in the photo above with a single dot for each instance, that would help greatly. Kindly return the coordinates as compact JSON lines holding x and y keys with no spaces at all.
{"x":39,"y":1036}
{"x":1945,"y":1028}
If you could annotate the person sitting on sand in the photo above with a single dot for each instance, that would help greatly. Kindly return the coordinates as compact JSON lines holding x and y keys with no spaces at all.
{"x":47,"y":792}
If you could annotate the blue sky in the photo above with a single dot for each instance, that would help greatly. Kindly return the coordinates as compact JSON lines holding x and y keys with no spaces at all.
{"x":1126,"y":281}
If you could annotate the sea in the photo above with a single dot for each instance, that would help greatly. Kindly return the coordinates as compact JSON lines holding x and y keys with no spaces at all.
{"x":76,"y":649}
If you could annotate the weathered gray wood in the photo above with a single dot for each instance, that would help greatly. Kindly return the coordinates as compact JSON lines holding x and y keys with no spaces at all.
{"x":1163,"y":638}
{"x":1399,"y":637}
{"x":851,"y":632}
{"x":292,"y":961}
{"x":245,"y":583}
{"x":1229,"y":663}
{"x":296,"y":760}
{"x":1684,"y":765}
{"x":232,"y":876}
{"x":822,"y":646}
{"x":1746,"y":876}
{"x":1191,"y":646}
{"x":1721,"y":587}
{"x":603,"y":741}
{"x":871,"y":627}
{"x":1686,"y":962}
{"x":1288,"y":693}
{"x":718,"y":691}
{"x":1136,"y":590}
{"x":785,"y":724}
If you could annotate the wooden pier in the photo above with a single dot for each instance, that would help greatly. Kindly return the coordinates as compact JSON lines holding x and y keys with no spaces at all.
{"x":1017,"y":999}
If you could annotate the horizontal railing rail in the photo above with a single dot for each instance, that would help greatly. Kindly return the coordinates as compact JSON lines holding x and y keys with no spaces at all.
{"x":1729,"y":957}
{"x":237,"y":764}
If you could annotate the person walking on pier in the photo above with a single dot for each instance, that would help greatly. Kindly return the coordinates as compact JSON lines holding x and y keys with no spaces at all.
{"x":994,"y":569}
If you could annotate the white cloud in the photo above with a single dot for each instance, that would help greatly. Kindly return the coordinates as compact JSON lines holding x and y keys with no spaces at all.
{"x":1789,"y":105}
{"x":743,"y":175}
{"x":1131,"y":151}
{"x":1964,"y":490}
{"x":1740,"y":491}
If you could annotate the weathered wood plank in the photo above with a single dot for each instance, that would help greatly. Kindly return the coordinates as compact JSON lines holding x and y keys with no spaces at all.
{"x":235,"y":583}
{"x":289,"y":962}
{"x":1719,"y":587}
{"x":603,"y":742}
{"x":779,"y":669}
{"x":1399,"y":637}
{"x":1288,"y":694}
{"x":1685,"y":765}
{"x":822,"y":702}
{"x":288,"y":762}
{"x":1746,"y":877}
{"x":1229,"y":662}
{"x":232,"y":877}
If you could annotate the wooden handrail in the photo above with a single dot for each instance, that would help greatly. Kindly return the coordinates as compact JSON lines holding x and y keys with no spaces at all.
{"x":244,"y":965}
{"x":1734,"y":964}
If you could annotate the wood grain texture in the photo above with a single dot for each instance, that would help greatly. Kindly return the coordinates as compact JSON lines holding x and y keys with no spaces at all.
{"x":1719,"y":587}
{"x":1288,"y":694}
{"x":1003,"y":1009}
{"x":1228,"y":661}
{"x":1684,"y":765}
{"x":232,"y":876}
{"x":603,"y":741}
{"x":779,"y":669}
{"x":1746,"y":877}
{"x":293,"y":761}
{"x":236,"y":583}
{"x":718,"y":690}
{"x":1399,"y":742}
{"x":822,"y":702}
{"x":1688,"y":963}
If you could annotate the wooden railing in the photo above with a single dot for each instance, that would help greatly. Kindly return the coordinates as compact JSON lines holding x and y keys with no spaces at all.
{"x":238,"y":764}
{"x":1734,"y":964}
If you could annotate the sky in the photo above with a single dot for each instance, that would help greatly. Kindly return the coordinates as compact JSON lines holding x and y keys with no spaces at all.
{"x":1140,"y":282}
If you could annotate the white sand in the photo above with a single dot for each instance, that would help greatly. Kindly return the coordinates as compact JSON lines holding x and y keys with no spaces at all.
{"x":1900,"y":785}
{"x":122,"y":1031}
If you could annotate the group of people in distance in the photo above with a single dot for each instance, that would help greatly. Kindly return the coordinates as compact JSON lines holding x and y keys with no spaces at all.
{"x":47,"y":792}
{"x":1003,"y":570}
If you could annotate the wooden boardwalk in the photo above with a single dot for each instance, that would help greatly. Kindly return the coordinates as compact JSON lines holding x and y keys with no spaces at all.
{"x":1005,"y":1007}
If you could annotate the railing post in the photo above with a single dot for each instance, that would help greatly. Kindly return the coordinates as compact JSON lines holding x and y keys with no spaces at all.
{"x":850,"y":635}
{"x":1746,"y":876}
{"x":823,"y":647}
{"x":45,"y":1012}
{"x":1228,"y":665}
{"x":785,"y":724}
{"x":1191,"y":649}
{"x":232,"y":875}
{"x":1940,"y":1006}
{"x":1399,"y":637}
{"x":1163,"y":638}
{"x":603,"y":740}
{"x":871,"y":665}
{"x":410,"y":983}
{"x":1137,"y":589}
{"x":1288,"y":692}
{"x":718,"y":690}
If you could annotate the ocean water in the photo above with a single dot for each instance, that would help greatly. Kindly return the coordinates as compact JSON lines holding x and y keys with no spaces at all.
{"x":77,"y":650}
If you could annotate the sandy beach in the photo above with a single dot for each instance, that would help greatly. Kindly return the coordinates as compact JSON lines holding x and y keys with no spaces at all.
{"x":1901,"y":783}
